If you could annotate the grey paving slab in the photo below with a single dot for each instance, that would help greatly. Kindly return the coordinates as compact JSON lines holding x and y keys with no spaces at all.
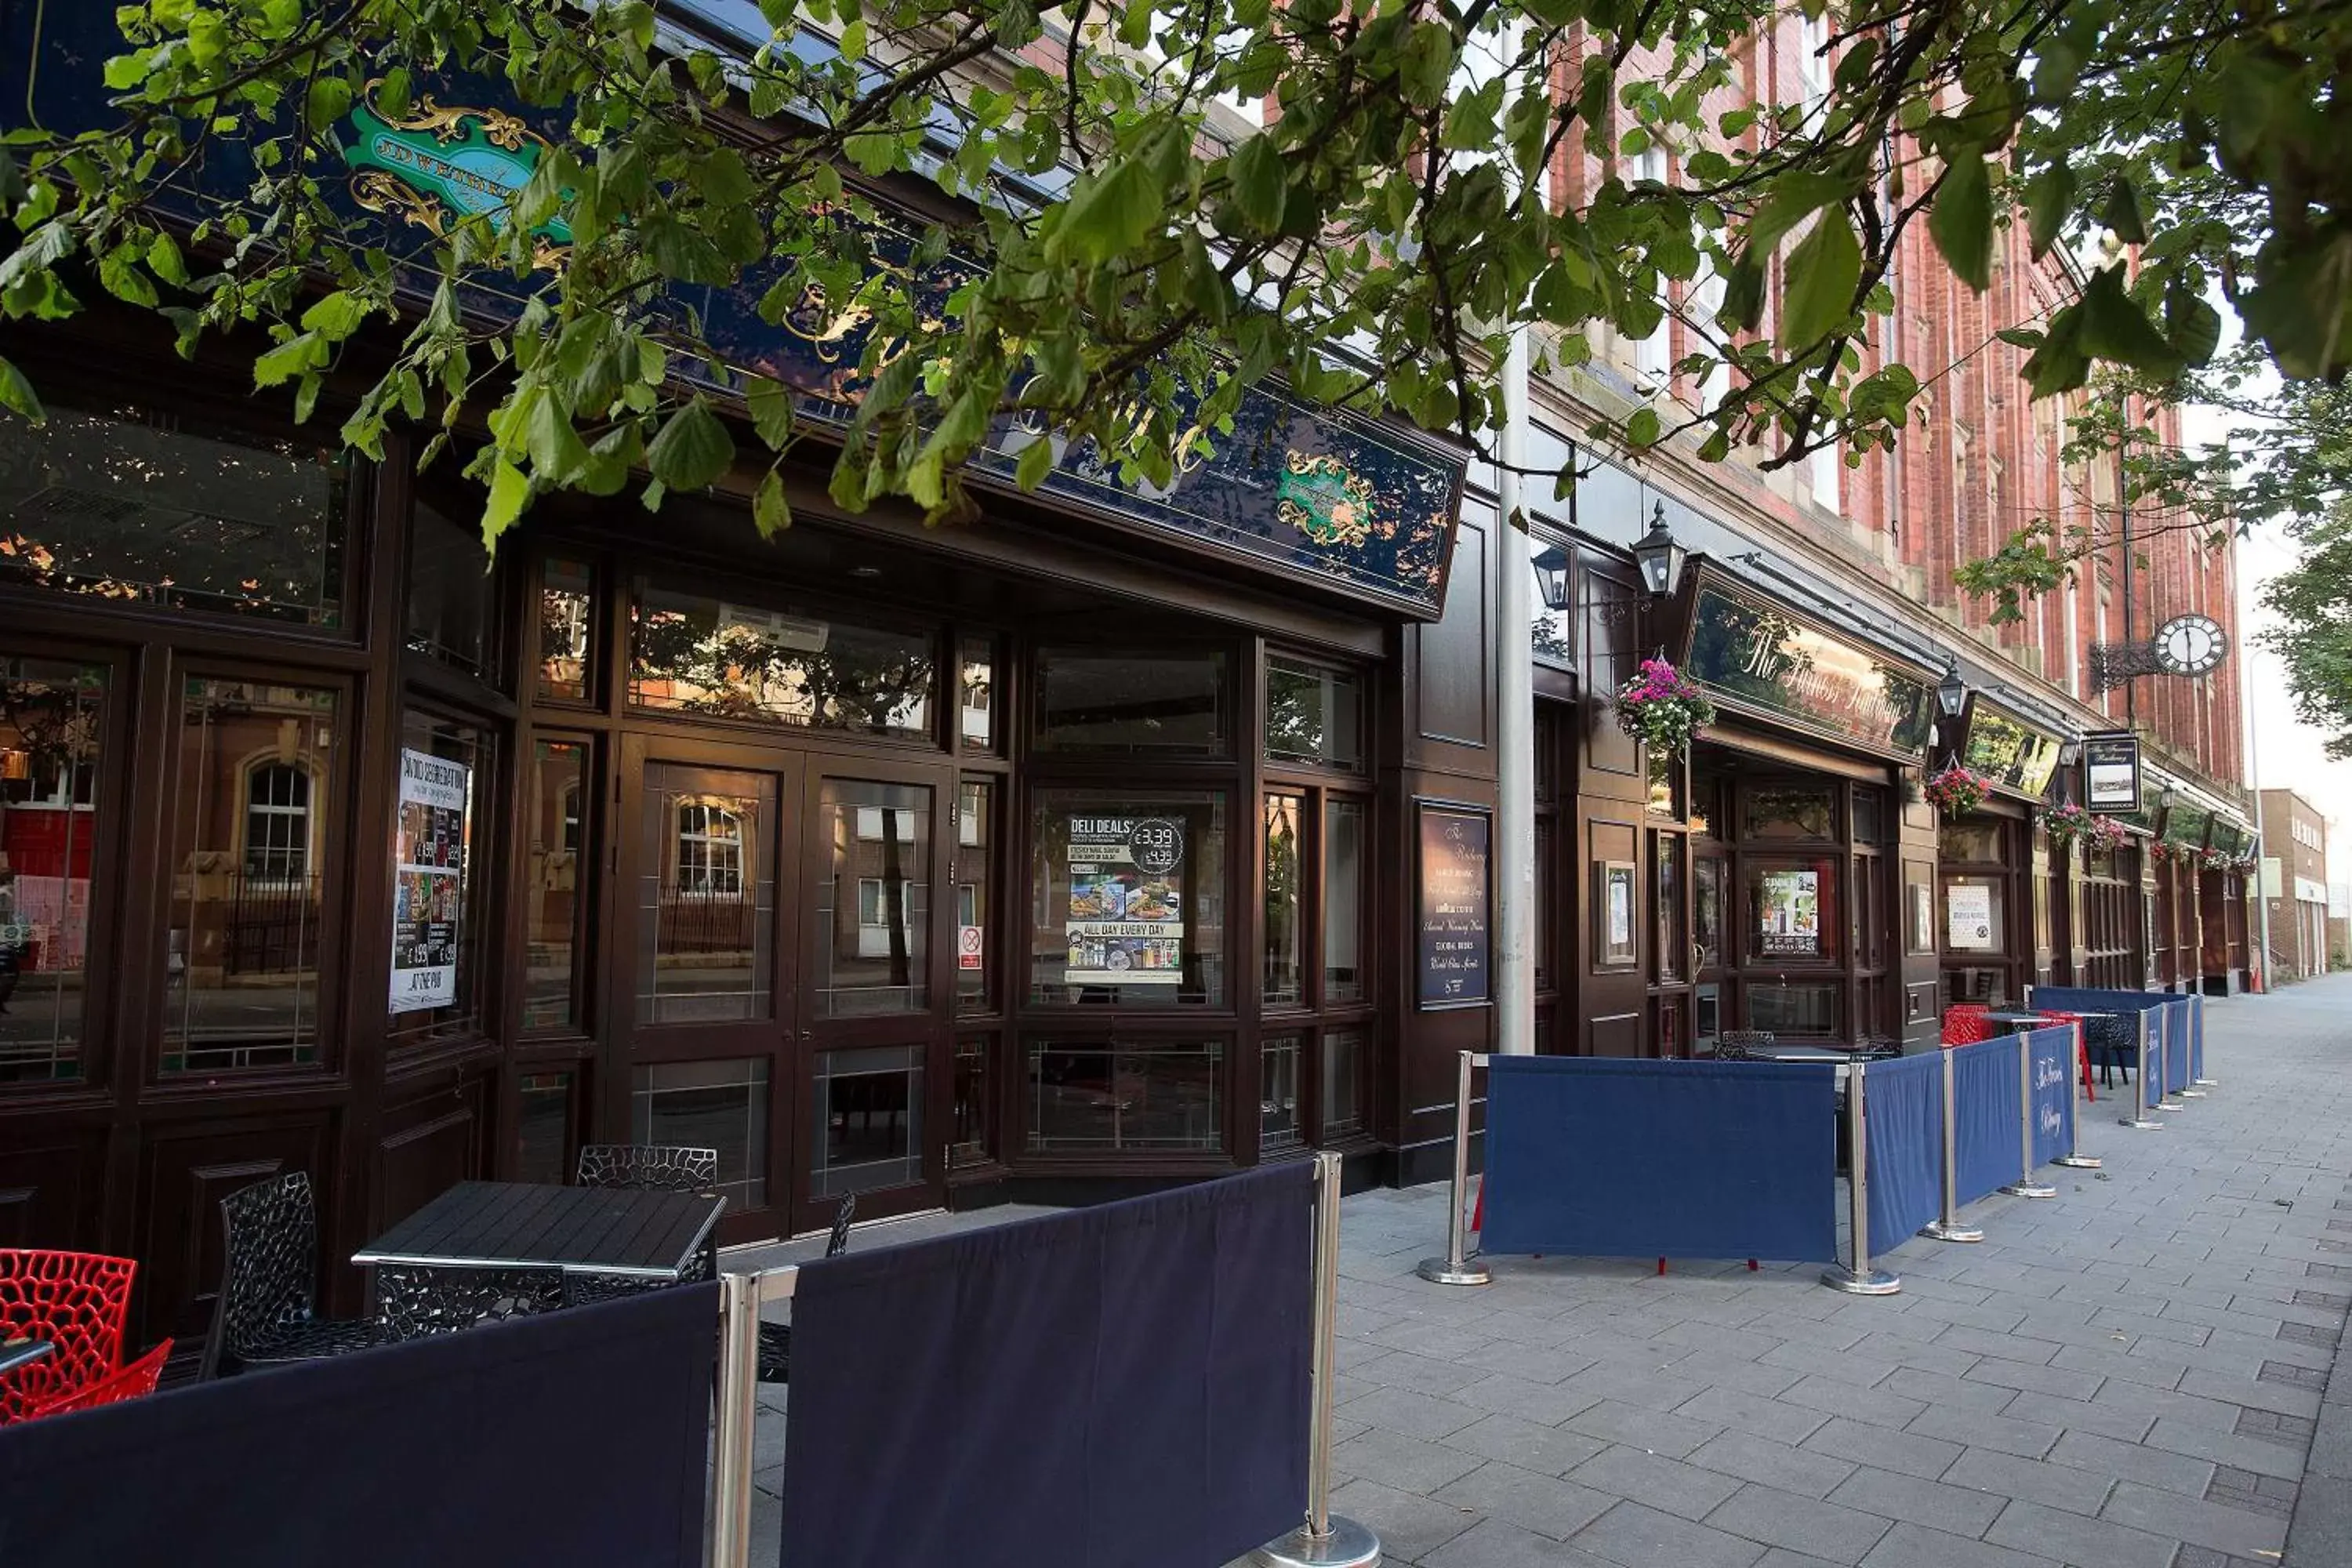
{"x":1938,"y":1505}
{"x":1744,"y":1411}
{"x":2005,"y":1475}
{"x":1978,"y":1429}
{"x":1912,"y":1453}
{"x":1752,"y":1459}
{"x":2077,"y":1540}
{"x":1637,"y":1537}
{"x":1815,"y":1526}
{"x":1529,"y":1445}
{"x":1668,"y":1485}
{"x":1631,"y":1424}
{"x":1492,"y":1544}
{"x":1544,"y":1504}
{"x":1410,"y":1526}
{"x":1916,"y":1546}
{"x":2169,"y":1513}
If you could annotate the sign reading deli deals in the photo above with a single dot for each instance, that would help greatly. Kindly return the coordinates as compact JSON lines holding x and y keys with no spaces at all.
{"x":2111,"y":772}
{"x":1126,"y":925}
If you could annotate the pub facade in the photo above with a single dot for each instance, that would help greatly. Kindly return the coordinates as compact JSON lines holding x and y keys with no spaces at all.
{"x":1107,"y":840}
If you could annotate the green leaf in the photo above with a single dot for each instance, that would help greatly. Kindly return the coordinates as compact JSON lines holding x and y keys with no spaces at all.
{"x":1035,"y":464}
{"x":2024,"y":338}
{"x":926,"y":481}
{"x":2048,"y":199}
{"x":2114,"y":328}
{"x":1642,"y":429}
{"x":2122,"y":213}
{"x":1794,"y":198}
{"x":164,"y":261}
{"x":1110,"y":214}
{"x":287,"y":360}
{"x":1961,"y":220}
{"x":328,"y":100}
{"x":771,"y":411}
{"x":16,"y":392}
{"x":1260,"y":184}
{"x":336,"y":316}
{"x":771,"y":513}
{"x":692,"y":450}
{"x":509,"y":493}
{"x":2194,"y":327}
{"x":1823,"y":274}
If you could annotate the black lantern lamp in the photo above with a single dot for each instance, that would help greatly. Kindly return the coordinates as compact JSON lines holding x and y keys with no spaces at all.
{"x":1659,"y":555}
{"x":2070,"y":750}
{"x":1550,"y":565}
{"x":1951,"y":692}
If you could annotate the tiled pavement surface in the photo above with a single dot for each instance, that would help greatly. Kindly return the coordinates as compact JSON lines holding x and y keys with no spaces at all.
{"x":2128,"y":1377}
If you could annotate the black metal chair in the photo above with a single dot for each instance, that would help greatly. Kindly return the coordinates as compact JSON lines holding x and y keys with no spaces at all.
{"x":776,"y":1339}
{"x":1740,"y":1044}
{"x":661,"y":1167}
{"x":1878,"y":1048}
{"x":2114,"y":1044}
{"x":265,"y":1311}
{"x":415,"y":1303}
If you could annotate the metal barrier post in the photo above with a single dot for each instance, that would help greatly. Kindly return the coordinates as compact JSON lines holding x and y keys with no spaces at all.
{"x":2164,"y":1101}
{"x":740,"y":1298}
{"x":2073,"y":1159}
{"x":1860,"y":1280}
{"x":1947,"y":1226}
{"x":2197,"y":1049}
{"x":2139,"y":1119}
{"x":1324,"y":1542}
{"x":2025,"y":1187}
{"x":1458,"y":1267}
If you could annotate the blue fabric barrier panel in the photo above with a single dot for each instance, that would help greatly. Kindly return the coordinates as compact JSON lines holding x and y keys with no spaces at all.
{"x":576,"y":1437}
{"x":2054,"y":1091}
{"x":2151,"y":1083}
{"x":1123,"y":1385}
{"x":1598,"y":1158}
{"x":2197,"y":1041}
{"x":2176,"y":1031}
{"x":1902,"y":1133}
{"x":2093,"y":999}
{"x":1990,"y":1148}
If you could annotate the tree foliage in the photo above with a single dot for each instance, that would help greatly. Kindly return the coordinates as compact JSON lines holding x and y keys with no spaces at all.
{"x":1127,"y":263}
{"x":2312,"y":634}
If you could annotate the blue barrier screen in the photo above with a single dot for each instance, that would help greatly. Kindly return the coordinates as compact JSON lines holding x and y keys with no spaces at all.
{"x":1903,"y":1131}
{"x":1121,"y":1384}
{"x":574,"y":1437}
{"x":1607,"y":1158}
{"x":2054,"y":1091}
{"x":2177,"y":1030}
{"x":2197,"y":1040}
{"x":2093,"y":999}
{"x":1989,"y":1152}
{"x":2151,"y":1083}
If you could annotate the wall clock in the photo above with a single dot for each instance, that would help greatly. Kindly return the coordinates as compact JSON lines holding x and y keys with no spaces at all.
{"x":2190,"y":645}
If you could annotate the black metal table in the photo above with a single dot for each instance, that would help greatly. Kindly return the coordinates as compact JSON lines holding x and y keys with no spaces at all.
{"x":14,"y":1353}
{"x":492,"y":1249}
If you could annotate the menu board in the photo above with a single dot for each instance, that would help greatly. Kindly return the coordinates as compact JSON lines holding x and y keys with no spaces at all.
{"x":1125,"y":925}
{"x":1788,"y":914}
{"x":428,"y":880}
{"x":1967,"y":917}
{"x":2111,"y":772}
{"x":1455,"y":902}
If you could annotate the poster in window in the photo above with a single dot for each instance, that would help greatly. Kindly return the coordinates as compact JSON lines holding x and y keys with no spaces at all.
{"x":1967,"y":917}
{"x":1455,"y":902}
{"x":1616,"y":907}
{"x":1923,"y":917}
{"x":1789,"y":917}
{"x":428,"y":880}
{"x":1126,"y":925}
{"x":2111,"y":772}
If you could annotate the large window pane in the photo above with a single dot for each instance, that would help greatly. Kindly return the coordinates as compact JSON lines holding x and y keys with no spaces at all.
{"x":437,"y":913}
{"x":555,"y":896}
{"x":1131,"y":893}
{"x":869,"y":1132}
{"x":253,"y":814}
{"x":1093,"y":1097}
{"x":696,"y":654}
{"x":130,"y":505}
{"x":567,"y":621}
{"x":1285,"y":918}
{"x":972,"y":1140}
{"x":976,"y":703}
{"x":870,"y":921}
{"x":1277,"y":1109}
{"x":1794,"y":915}
{"x":449,"y":611}
{"x":1314,"y":716}
{"x":52,"y":718}
{"x":975,"y":881}
{"x":1343,"y":1074}
{"x":710,"y":1105}
{"x":706,"y":897}
{"x":1167,"y":703}
{"x":1344,"y":901}
{"x":1793,"y":1009}
{"x":543,"y":1129}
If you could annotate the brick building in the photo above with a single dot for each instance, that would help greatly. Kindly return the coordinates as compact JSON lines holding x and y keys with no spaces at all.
{"x":2294,"y":886}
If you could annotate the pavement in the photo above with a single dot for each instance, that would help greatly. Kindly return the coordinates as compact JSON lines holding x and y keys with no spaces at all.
{"x":2131,"y":1375}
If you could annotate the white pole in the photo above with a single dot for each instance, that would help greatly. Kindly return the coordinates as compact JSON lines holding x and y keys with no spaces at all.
{"x":1514,"y":710}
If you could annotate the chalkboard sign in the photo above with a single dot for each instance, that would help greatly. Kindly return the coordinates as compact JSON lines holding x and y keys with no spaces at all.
{"x":1454,"y":907}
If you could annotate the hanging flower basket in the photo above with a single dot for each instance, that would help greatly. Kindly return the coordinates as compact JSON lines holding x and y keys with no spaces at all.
{"x":2068,"y":825}
{"x":2106,"y":833}
{"x":1957,"y":791}
{"x":1661,"y":707}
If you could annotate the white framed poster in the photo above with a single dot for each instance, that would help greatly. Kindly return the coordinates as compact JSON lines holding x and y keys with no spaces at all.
{"x":1126,"y":925}
{"x":1967,"y":917}
{"x":428,"y":879}
{"x":1788,"y":914}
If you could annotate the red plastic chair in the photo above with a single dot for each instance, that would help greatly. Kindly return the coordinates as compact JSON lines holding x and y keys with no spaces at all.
{"x":2081,"y":1048}
{"x":135,"y":1380}
{"x":77,"y":1301}
{"x":1965,"y":1024}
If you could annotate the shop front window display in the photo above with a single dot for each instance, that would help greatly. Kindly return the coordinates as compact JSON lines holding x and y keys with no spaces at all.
{"x":1131,"y":898}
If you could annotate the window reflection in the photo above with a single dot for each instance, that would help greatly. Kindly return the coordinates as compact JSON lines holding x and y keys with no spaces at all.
{"x":1343,"y":1071}
{"x":696,"y":654}
{"x":1314,"y":715}
{"x":870,"y":946}
{"x":1285,"y":982}
{"x":1278,"y":1111}
{"x":250,"y":838}
{"x":1132,"y":702}
{"x":720,"y":1105}
{"x":567,"y":619}
{"x":556,"y":894}
{"x":450,"y":603}
{"x":51,"y":730}
{"x":975,"y":878}
{"x":1344,"y":906}
{"x":869,"y":1108}
{"x":543,"y":1129}
{"x":976,"y":705}
{"x":1095,"y":1097}
{"x":706,"y":900}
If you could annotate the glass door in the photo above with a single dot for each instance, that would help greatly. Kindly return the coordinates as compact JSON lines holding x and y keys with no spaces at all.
{"x":876,"y":988}
{"x":701,"y":983}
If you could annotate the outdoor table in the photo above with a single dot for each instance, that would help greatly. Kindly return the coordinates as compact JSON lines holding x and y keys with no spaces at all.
{"x":14,"y":1353}
{"x":482,"y":1245}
